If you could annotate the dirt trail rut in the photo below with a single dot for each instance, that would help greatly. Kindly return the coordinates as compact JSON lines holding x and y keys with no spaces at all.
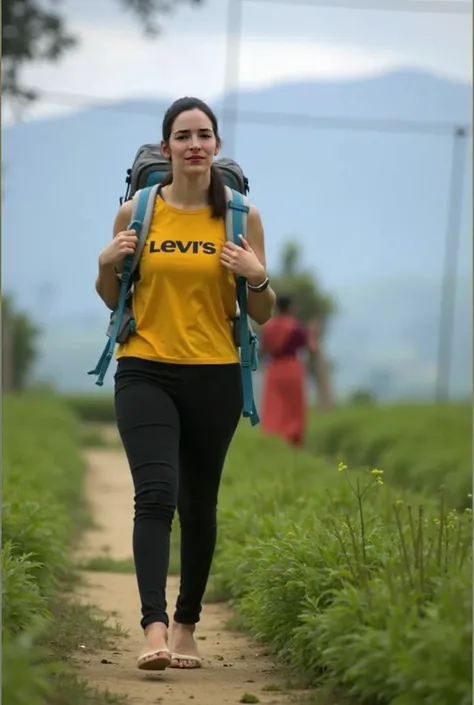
{"x":232,"y":665}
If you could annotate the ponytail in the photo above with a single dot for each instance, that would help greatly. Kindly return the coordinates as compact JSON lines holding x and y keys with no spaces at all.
{"x":217,"y":194}
{"x":167,"y":179}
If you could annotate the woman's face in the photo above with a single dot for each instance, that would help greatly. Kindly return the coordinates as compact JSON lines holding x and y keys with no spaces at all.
{"x":192,"y":145}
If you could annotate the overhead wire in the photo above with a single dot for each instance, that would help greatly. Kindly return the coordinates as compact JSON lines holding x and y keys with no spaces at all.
{"x":452,"y":7}
{"x":271,"y":119}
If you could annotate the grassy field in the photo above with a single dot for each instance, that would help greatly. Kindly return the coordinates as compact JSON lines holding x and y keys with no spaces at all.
{"x":43,"y":514}
{"x":93,"y":408}
{"x":358,"y":578}
{"x":421,"y":447}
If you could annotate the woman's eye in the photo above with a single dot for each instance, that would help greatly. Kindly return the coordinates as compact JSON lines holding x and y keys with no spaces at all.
{"x":202,"y":137}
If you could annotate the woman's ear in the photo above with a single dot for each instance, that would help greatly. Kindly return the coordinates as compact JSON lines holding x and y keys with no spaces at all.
{"x":218,"y":148}
{"x":165,"y":150}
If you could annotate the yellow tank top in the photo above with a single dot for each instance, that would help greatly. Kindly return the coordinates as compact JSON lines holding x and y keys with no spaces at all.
{"x":185,"y":298}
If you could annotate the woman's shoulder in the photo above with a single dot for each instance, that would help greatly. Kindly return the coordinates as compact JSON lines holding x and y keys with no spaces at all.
{"x":254,"y":218}
{"x":123,"y":217}
{"x":253,"y":210}
{"x":125,"y":210}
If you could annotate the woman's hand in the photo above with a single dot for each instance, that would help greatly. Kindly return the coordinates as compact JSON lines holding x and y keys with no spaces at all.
{"x":123,"y":244}
{"x":243,"y":262}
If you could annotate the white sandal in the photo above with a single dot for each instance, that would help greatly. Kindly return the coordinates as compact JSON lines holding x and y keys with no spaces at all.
{"x":154,"y":660}
{"x":183,"y":657}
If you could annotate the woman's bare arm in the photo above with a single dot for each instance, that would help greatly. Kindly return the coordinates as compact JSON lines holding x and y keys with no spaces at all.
{"x":260,"y":305}
{"x":107,"y":285}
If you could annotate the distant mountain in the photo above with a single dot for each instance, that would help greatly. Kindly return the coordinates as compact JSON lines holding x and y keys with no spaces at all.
{"x":368,"y":206}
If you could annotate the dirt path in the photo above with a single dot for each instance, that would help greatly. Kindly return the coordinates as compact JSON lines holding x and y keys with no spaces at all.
{"x":232,"y":664}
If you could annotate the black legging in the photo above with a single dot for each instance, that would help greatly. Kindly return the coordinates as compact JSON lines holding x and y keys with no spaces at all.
{"x":175,"y":422}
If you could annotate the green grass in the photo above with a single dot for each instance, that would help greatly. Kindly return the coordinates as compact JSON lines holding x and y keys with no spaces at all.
{"x":98,"y":408}
{"x":100,"y":435}
{"x":93,"y":437}
{"x":43,"y":514}
{"x":421,"y":447}
{"x":105,"y":563}
{"x":108,"y":564}
{"x":355,"y":585}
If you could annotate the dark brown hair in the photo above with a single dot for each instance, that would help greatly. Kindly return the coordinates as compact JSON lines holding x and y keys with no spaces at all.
{"x":217,"y":194}
{"x":284,"y":303}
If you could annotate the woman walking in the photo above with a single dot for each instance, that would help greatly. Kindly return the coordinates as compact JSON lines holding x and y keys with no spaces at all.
{"x":284,"y":398}
{"x":178,"y":395}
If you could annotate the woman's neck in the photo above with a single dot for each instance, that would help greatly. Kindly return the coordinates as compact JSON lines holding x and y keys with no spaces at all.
{"x":188,"y":193}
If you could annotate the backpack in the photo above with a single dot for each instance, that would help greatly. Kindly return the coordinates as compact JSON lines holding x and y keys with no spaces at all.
{"x":143,"y":181}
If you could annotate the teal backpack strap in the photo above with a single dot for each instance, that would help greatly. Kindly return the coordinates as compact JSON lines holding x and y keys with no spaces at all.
{"x":236,"y":225}
{"x":142,"y":213}
{"x":143,"y":202}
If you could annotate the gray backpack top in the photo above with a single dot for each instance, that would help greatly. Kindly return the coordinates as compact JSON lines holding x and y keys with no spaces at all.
{"x":150,"y":167}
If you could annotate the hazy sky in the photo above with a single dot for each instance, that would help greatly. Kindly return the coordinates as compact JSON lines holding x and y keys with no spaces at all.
{"x":279,"y":42}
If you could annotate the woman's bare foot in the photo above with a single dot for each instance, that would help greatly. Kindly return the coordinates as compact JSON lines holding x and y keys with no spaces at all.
{"x":185,"y":652}
{"x":155,"y":655}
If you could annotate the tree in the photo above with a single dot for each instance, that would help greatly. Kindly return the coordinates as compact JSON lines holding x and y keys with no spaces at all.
{"x":19,"y":346}
{"x":311,"y":302}
{"x":35,"y":30}
{"x":362,"y":397}
{"x":313,"y":306}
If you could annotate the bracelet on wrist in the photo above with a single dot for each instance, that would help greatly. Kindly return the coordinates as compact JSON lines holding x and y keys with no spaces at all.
{"x":259,"y":287}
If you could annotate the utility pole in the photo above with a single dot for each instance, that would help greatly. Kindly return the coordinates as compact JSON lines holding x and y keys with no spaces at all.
{"x":7,"y":351}
{"x":232,"y":70}
{"x":451,"y":256}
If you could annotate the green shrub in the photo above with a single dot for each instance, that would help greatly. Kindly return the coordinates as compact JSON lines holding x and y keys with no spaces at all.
{"x":42,"y":484}
{"x":92,"y":407}
{"x":24,"y":673}
{"x":345,"y":580}
{"x":24,"y":603}
{"x":420,"y":447}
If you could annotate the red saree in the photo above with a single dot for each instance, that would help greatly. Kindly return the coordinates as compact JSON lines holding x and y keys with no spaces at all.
{"x":283,"y":410}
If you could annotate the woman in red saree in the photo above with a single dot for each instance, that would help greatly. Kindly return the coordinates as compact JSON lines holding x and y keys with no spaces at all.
{"x":283,"y":411}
